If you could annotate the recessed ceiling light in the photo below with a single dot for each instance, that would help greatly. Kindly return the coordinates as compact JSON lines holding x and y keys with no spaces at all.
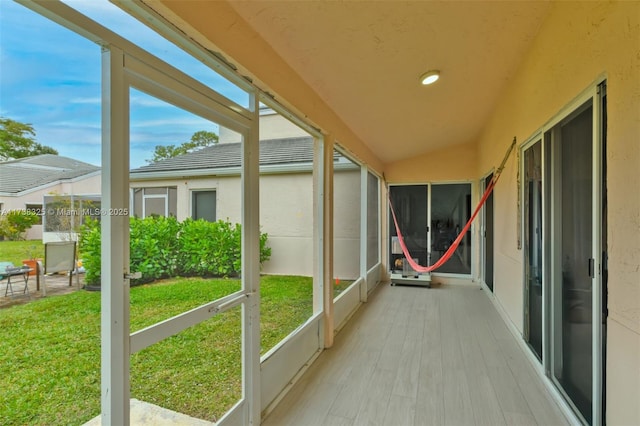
{"x":430,"y":77}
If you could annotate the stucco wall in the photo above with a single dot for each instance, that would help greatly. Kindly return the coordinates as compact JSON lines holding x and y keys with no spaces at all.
{"x":272,"y":126}
{"x":286,"y":214}
{"x":577,"y":44}
{"x":452,"y":164}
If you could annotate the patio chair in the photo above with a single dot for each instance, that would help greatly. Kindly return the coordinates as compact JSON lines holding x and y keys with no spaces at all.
{"x":59,"y":256}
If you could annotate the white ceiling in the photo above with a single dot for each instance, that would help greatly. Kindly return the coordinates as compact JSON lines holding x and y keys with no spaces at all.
{"x":364,"y":59}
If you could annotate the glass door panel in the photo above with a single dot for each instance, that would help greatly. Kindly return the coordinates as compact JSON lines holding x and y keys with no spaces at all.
{"x":533,"y":246}
{"x":450,"y":211}
{"x":488,"y":236}
{"x":572,"y":322}
{"x":410,"y":205}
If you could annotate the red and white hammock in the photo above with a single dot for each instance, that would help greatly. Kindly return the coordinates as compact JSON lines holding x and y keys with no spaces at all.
{"x":447,"y":255}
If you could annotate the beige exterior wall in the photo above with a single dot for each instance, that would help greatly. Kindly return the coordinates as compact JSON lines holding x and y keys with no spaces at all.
{"x":578,"y":43}
{"x":286,"y":214}
{"x":87,"y":186}
{"x":346,"y":224}
{"x":272,"y":126}
{"x":453,"y":164}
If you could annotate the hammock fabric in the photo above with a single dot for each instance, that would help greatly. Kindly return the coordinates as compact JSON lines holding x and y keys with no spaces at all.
{"x":447,"y":255}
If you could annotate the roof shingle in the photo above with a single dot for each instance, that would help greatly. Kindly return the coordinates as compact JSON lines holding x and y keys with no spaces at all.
{"x":31,"y":172}
{"x":225,"y":155}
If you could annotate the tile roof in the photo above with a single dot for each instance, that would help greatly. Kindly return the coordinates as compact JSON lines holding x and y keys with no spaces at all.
{"x":32,"y":172}
{"x":226,"y":155}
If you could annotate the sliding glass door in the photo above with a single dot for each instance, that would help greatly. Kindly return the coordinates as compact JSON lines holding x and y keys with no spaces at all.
{"x":532,"y":245}
{"x":410,"y":203}
{"x":564,"y":252}
{"x":450,"y":211}
{"x":487,"y":234}
{"x":430,"y":218}
{"x":572,"y":356}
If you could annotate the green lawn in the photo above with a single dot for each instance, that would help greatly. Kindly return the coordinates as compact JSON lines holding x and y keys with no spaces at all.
{"x":16,"y":251}
{"x":50,"y":350}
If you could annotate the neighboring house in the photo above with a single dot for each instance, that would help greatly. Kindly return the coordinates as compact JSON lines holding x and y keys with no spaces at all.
{"x":206,"y":185}
{"x":26,"y":181}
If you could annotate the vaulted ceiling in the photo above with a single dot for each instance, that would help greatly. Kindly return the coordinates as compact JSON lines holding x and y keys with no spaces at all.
{"x":364,"y":60}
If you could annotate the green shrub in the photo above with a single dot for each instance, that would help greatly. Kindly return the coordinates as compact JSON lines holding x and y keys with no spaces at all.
{"x":209,"y":248}
{"x":162,"y":247}
{"x":15,"y":223}
{"x":265,"y":251}
{"x":89,"y":249}
{"x":153,"y":246}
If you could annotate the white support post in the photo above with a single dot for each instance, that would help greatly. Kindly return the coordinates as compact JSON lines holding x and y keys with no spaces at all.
{"x":318,"y":225}
{"x":251,"y":268}
{"x":364,"y":227}
{"x":319,"y":255}
{"x":327,"y":248}
{"x":115,"y":390}
{"x":597,"y":202}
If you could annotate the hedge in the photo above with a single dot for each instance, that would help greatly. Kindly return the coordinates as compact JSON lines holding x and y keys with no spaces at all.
{"x":162,"y":247}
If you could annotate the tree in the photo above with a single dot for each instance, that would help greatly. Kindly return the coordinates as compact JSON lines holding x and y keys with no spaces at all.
{"x":199,"y":140}
{"x":17,"y":140}
{"x":15,"y":223}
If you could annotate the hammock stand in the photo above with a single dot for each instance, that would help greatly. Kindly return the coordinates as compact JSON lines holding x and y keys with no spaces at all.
{"x":412,"y":272}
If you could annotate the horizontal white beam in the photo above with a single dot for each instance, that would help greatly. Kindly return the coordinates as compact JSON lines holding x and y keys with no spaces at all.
{"x":169,"y":327}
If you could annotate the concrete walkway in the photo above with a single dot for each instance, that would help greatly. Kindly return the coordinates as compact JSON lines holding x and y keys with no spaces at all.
{"x":56,"y":285}
{"x":145,"y":413}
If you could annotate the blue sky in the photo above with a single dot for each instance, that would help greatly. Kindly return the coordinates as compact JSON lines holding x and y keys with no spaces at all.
{"x":50,"y":78}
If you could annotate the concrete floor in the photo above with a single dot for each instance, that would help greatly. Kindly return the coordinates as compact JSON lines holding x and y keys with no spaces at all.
{"x":144,"y":413}
{"x":55,"y":285}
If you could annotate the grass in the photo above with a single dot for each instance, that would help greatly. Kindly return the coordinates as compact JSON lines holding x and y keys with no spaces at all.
{"x":16,"y":251}
{"x":50,"y":350}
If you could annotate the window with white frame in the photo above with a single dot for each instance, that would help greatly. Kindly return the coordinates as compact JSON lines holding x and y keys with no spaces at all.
{"x":161,"y":201}
{"x":203,"y":205}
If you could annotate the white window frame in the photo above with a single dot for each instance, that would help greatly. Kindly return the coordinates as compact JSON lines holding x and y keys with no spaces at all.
{"x":125,"y":66}
{"x":550,"y":246}
{"x":146,"y":197}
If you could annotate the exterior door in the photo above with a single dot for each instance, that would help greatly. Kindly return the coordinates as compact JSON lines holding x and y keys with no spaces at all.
{"x":430,"y":218}
{"x":487,"y":236}
{"x":578,"y":256}
{"x":532,"y":246}
{"x":573,"y":337}
{"x":410,"y":203}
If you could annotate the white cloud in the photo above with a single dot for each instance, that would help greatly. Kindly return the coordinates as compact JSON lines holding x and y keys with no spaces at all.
{"x":50,"y":78}
{"x":92,"y":100}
